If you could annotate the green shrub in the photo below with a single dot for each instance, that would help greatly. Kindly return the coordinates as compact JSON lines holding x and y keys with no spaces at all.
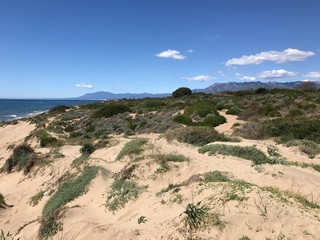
{"x":295,"y":113}
{"x":201,"y":108}
{"x":183,"y":91}
{"x":121,"y":192}
{"x":216,"y":176}
{"x":197,"y":135}
{"x":234,"y":110}
{"x":293,"y":128}
{"x":59,"y":109}
{"x":182,"y":119}
{"x":269,"y":110}
{"x":67,"y":192}
{"x":22,"y":157}
{"x":308,"y":147}
{"x":87,"y":149}
{"x":111,"y":110}
{"x":213,"y":121}
{"x":250,"y":153}
{"x":132,"y":148}
{"x":70,"y":190}
{"x":47,"y":140}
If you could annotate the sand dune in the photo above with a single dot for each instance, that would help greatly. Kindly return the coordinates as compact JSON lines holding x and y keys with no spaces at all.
{"x":252,"y":212}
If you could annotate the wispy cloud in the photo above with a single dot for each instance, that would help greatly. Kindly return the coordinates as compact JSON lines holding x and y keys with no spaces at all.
{"x":280,"y":73}
{"x":190,"y":51}
{"x":287,"y":55}
{"x":171,"y":54}
{"x":84,"y":85}
{"x":200,"y":78}
{"x":313,"y":75}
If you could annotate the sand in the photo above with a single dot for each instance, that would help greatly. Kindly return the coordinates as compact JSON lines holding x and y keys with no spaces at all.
{"x":261,"y":215}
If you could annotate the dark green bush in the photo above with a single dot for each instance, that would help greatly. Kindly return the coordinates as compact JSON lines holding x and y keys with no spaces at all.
{"x":197,"y":135}
{"x":295,"y":113}
{"x":201,"y":108}
{"x":47,"y":140}
{"x":269,"y":110}
{"x":213,"y":121}
{"x":293,"y":128}
{"x":21,"y":157}
{"x":183,"y":91}
{"x":182,"y":119}
{"x":87,"y":149}
{"x":59,"y":109}
{"x":234,"y":110}
{"x":261,"y":90}
{"x":111,"y":110}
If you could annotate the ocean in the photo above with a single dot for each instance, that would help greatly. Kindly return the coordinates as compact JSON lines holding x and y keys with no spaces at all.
{"x":11,"y":109}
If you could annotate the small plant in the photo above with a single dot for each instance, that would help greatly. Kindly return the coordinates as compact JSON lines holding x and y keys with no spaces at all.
{"x":121,"y":192}
{"x":111,"y":110}
{"x":216,"y":176}
{"x":142,"y":219}
{"x":167,"y":189}
{"x":7,"y":236}
{"x":245,"y":238}
{"x":34,"y":200}
{"x":199,"y":216}
{"x":132,"y":148}
{"x":196,"y":215}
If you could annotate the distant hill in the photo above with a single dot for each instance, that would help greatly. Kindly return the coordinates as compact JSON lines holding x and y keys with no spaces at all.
{"x":236,"y":86}
{"x":107,"y":95}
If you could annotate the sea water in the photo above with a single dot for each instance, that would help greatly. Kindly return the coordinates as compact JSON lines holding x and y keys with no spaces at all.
{"x":11,"y":109}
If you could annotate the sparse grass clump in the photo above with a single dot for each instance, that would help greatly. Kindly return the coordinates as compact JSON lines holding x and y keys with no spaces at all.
{"x":34,"y":200}
{"x":121,"y":192}
{"x":197,"y":135}
{"x":250,"y":153}
{"x":135,"y":147}
{"x":164,"y":159}
{"x":216,"y":176}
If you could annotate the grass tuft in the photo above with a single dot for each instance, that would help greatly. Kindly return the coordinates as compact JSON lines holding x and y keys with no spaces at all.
{"x":135,"y":147}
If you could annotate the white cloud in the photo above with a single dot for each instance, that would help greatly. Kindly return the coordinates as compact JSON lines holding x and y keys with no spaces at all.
{"x":171,"y":54}
{"x":273,"y":56}
{"x":313,"y":75}
{"x":247,"y":78}
{"x":200,"y":78}
{"x":190,"y":51}
{"x":84,"y":85}
{"x":281,"y":73}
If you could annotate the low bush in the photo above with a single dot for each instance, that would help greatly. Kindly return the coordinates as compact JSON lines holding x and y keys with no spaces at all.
{"x":22,"y":157}
{"x":67,"y":191}
{"x":182,"y":119}
{"x":293,"y":128}
{"x":216,"y":176}
{"x":87,"y":149}
{"x":250,"y":153}
{"x":234,"y":110}
{"x":111,"y":110}
{"x":308,"y":147}
{"x":135,"y":147}
{"x":213,"y":121}
{"x":201,"y":108}
{"x":197,"y":135}
{"x":295,"y":113}
{"x":59,"y":109}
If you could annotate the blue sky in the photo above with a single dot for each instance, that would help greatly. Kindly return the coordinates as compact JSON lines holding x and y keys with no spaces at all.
{"x":68,"y":48}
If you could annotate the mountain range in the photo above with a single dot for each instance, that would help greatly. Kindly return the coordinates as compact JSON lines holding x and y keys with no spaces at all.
{"x":214,"y":88}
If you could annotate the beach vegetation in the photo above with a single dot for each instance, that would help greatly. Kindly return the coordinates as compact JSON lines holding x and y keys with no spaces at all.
{"x":182,"y":91}
{"x":134,"y":147}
